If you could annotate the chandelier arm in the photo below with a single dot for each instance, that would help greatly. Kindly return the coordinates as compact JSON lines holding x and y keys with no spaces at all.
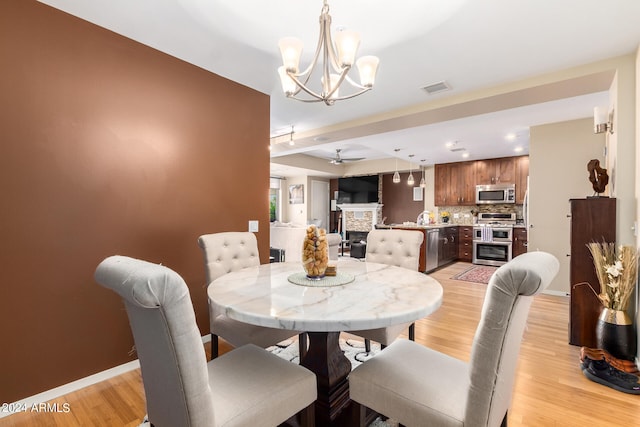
{"x":308,"y":71}
{"x":354,"y":84}
{"x":330,"y":47}
{"x":304,"y":88}
{"x":343,"y":74}
{"x":353,"y":95}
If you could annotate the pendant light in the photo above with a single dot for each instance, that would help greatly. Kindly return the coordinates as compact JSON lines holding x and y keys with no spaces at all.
{"x":396,"y":175}
{"x":423,"y":183}
{"x":410,"y":180}
{"x":291,"y":137}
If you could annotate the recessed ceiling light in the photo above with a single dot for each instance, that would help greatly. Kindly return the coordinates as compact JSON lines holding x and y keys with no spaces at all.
{"x":518,"y":149}
{"x":450,"y":144}
{"x":465,"y":155}
{"x":510,"y":137}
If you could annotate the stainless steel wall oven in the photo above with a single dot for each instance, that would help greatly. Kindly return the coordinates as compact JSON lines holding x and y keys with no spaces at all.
{"x":493,"y":238}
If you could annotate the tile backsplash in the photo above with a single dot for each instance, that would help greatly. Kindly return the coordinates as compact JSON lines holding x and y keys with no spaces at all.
{"x":465,"y":217}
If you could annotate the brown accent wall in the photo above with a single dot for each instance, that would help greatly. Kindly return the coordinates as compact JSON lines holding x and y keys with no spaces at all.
{"x":108,"y":147}
{"x":397,"y":199}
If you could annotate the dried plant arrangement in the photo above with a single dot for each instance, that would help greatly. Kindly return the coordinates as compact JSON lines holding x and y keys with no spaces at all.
{"x":617,"y":273}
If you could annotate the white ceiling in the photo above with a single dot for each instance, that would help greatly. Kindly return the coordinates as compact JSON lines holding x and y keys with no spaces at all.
{"x":470,"y":44}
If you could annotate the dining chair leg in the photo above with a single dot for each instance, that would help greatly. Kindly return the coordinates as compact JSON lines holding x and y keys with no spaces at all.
{"x":367,"y":345}
{"x":504,"y":420}
{"x":358,"y":414}
{"x":308,"y":416}
{"x":412,"y":332}
{"x":302,"y":345}
{"x":214,"y":346}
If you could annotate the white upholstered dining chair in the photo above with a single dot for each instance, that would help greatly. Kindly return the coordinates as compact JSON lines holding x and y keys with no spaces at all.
{"x":181,"y":388}
{"x":419,"y":386}
{"x":392,"y":247}
{"x":231,"y":251}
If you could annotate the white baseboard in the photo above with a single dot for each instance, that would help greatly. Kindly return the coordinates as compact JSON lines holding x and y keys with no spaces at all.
{"x":76,"y":385}
{"x":556,"y":293}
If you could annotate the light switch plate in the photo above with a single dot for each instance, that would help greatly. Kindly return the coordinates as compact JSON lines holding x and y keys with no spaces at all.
{"x":253,"y":226}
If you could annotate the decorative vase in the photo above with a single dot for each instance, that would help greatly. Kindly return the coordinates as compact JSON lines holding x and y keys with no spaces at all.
{"x":315,"y":252}
{"x":615,"y":334}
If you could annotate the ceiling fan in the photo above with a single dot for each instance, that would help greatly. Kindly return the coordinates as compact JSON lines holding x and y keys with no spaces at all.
{"x":337,"y":160}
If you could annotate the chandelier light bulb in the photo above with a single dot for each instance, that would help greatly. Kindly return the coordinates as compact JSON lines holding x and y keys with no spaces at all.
{"x":367,"y":67}
{"x":291,"y":51}
{"x":288,"y":84}
{"x":347,"y":43}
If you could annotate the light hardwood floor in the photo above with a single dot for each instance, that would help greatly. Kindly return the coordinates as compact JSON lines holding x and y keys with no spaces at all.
{"x":550,"y":389}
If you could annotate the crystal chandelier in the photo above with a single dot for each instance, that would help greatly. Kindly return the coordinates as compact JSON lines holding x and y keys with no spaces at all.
{"x":337,"y":61}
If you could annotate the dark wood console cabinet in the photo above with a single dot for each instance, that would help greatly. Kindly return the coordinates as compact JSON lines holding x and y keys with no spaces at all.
{"x":592,"y":220}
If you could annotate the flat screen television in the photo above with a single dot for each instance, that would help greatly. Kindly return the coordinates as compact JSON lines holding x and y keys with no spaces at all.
{"x":358,"y":189}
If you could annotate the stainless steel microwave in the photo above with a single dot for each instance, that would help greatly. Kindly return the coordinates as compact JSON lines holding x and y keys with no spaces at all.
{"x":496,"y":193}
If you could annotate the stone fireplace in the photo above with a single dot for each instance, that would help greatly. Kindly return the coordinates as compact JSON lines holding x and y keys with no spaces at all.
{"x":360,"y":217}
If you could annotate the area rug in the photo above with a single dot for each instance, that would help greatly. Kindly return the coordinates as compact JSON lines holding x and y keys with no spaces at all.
{"x":476,"y":273}
{"x":353,"y":349}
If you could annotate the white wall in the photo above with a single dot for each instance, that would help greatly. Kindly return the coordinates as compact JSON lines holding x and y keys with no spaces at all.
{"x":300,"y":213}
{"x":297,"y":213}
{"x":621,"y":162}
{"x":558,"y":157}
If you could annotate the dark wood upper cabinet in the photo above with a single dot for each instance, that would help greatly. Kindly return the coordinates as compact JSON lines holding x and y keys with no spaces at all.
{"x":592,"y":220}
{"x":455,"y":183}
{"x":522,"y":173}
{"x":442,"y":184}
{"x":496,"y":171}
{"x":463,"y":188}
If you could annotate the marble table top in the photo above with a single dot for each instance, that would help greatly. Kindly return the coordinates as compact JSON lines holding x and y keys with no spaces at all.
{"x":380,"y":296}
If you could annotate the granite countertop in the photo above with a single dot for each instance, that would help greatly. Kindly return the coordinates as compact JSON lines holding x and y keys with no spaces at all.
{"x":414,"y":225}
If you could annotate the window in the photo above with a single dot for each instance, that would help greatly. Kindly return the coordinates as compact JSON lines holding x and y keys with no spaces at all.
{"x":274,"y":199}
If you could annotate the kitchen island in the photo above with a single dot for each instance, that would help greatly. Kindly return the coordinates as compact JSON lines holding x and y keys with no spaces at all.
{"x":439,"y":246}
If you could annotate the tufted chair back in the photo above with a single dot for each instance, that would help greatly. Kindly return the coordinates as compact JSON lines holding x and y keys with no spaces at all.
{"x":394,"y":247}
{"x":227,"y":252}
{"x":167,"y":339}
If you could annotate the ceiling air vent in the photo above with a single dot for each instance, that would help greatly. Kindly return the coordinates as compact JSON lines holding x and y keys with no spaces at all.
{"x":455,"y":150}
{"x":436,"y":87}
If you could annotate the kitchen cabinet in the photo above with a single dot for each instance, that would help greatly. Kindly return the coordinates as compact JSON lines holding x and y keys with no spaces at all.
{"x":465,"y":243}
{"x":463,"y":188}
{"x":496,"y":171}
{"x":448,"y":245}
{"x":442,"y":184}
{"x":454,"y":184}
{"x":592,"y":220}
{"x":522,"y":173}
{"x":520,"y":241}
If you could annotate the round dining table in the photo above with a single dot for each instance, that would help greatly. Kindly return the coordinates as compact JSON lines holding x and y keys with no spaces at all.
{"x":362,"y":295}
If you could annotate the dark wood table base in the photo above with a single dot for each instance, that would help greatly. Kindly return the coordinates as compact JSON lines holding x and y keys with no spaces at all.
{"x":331,"y":366}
